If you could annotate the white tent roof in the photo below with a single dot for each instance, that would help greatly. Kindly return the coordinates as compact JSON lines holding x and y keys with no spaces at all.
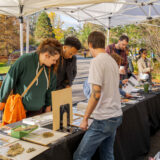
{"x":113,"y":14}
{"x":27,"y":7}
{"x":108,"y":13}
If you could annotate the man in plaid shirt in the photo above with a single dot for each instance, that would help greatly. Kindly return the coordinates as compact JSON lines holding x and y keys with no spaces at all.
{"x":119,"y":48}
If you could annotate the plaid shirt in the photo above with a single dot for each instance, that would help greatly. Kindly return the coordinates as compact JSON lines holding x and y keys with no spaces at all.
{"x":111,"y":49}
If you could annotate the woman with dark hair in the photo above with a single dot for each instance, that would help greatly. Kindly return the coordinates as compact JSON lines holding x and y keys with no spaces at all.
{"x":24,"y":70}
{"x":144,"y":66}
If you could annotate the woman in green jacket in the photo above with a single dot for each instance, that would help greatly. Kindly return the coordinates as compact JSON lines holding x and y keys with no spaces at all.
{"x":23,"y":71}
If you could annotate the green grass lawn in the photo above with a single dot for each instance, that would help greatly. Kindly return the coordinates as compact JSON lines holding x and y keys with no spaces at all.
{"x":4,"y":68}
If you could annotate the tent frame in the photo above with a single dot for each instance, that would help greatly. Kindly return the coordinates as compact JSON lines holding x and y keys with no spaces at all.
{"x":83,"y":7}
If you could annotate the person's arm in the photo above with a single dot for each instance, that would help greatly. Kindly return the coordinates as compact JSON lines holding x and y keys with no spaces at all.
{"x":146,"y":70}
{"x":11,"y":78}
{"x":150,"y":65}
{"x":128,"y":95}
{"x":130,"y":65}
{"x":71,"y":71}
{"x":94,"y":98}
{"x":108,"y":49}
{"x":74,"y":68}
{"x":123,"y":93}
{"x":125,"y":62}
{"x":124,"y":81}
{"x":51,"y":88}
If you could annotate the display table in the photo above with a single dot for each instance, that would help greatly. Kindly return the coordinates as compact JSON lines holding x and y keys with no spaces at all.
{"x":140,"y":121}
{"x":133,"y":136}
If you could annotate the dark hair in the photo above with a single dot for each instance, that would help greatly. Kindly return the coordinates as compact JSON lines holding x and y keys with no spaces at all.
{"x":124,"y":37}
{"x":142,"y":50}
{"x":50,"y":45}
{"x":73,"y":42}
{"x":97,"y":39}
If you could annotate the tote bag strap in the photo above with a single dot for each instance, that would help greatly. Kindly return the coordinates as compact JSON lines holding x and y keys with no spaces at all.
{"x":33,"y":81}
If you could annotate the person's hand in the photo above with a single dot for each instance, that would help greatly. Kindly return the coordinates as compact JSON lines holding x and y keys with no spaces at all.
{"x":124,"y":81}
{"x":48,"y":109}
{"x":122,"y":70}
{"x":68,"y":86}
{"x":128,"y":95}
{"x":148,"y":70}
{"x":84,"y":124}
{"x":2,"y":105}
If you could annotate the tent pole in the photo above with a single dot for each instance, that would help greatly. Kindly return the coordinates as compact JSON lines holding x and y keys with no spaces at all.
{"x":27,"y":35}
{"x":108,"y":30}
{"x":108,"y":36}
{"x":21,"y":34}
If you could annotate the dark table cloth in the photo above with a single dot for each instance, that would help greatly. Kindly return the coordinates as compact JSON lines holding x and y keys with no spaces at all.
{"x":140,"y":121}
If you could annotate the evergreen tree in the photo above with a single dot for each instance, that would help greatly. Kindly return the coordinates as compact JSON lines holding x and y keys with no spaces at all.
{"x":43,"y":27}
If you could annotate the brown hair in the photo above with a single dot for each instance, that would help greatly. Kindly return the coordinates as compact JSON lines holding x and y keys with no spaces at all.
{"x":97,"y":39}
{"x":117,"y":58}
{"x":52,"y":46}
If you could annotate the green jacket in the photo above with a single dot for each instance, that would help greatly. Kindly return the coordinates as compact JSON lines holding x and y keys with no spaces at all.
{"x":20,"y":75}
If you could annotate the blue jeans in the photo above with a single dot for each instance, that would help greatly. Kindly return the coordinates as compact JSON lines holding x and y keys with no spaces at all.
{"x":100,"y":134}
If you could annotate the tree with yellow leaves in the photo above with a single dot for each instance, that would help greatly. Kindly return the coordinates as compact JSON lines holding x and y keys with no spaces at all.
{"x":9,"y":31}
{"x":56,"y":25}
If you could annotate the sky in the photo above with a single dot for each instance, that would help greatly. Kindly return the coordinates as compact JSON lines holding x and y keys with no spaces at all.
{"x":69,"y":22}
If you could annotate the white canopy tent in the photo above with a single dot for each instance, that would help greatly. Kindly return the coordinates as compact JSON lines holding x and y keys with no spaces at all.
{"x":27,"y":7}
{"x":114,"y":14}
{"x":109,"y":13}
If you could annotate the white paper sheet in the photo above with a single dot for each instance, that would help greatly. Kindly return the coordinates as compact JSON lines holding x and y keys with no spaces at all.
{"x":37,"y":136}
{"x":6,"y":140}
{"x":24,"y":155}
{"x":133,"y":81}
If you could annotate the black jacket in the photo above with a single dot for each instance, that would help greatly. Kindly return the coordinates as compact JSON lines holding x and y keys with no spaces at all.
{"x":66,"y":72}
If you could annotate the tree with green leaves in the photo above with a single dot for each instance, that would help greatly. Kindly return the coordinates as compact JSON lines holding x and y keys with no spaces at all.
{"x":43,"y":27}
{"x":71,"y":31}
{"x":151,"y":36}
{"x":84,"y":33}
{"x":132,"y":31}
{"x":86,"y":30}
